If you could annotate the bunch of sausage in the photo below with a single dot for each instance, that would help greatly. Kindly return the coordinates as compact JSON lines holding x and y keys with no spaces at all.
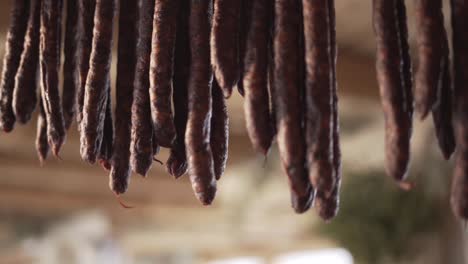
{"x":177,"y":62}
{"x":439,"y":85}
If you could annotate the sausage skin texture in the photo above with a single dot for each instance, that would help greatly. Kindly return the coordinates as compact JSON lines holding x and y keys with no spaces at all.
{"x":224,"y":52}
{"x":327,"y":206}
{"x":459,"y":198}
{"x":161,"y":70}
{"x":319,"y":97}
{"x":141,"y":146}
{"x":176,"y":164}
{"x":120,"y":172}
{"x":25,"y":92}
{"x":197,"y":135}
{"x":255,"y":78}
{"x":49,"y":56}
{"x":431,"y":46}
{"x":84,"y":39}
{"x":42,"y":145}
{"x":393,"y":90}
{"x":219,"y":136}
{"x":94,"y":107}
{"x":291,"y":142}
{"x":70,"y":64}
{"x":11,"y":61}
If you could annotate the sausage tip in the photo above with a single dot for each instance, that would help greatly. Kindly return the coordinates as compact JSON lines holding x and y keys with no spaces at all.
{"x":206,"y":198}
{"x":227,"y":93}
{"x":165,"y":135}
{"x":176,"y":167}
{"x":7,"y":127}
{"x":118,"y":186}
{"x":105,"y":164}
{"x":406,"y":186}
{"x":142,"y":170}
{"x":88,"y":156}
{"x":422,"y":111}
{"x":22,"y":118}
{"x":204,"y":191}
{"x":56,"y":147}
{"x":301,"y":204}
{"x":327,"y":211}
{"x":322,"y":176}
{"x":398,"y":170}
{"x":41,"y":160}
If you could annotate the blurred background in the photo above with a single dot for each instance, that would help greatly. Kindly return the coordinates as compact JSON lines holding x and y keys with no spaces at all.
{"x":64,"y":212}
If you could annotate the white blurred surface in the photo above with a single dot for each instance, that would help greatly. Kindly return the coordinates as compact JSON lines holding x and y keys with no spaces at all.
{"x":242,"y":260}
{"x":328,"y":256}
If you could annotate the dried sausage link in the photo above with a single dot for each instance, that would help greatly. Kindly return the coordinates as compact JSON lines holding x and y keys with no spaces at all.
{"x":224,"y":54}
{"x":49,"y":53}
{"x":141,"y":146}
{"x":241,"y":40}
{"x":442,"y":113}
{"x":327,"y":206}
{"x":319,"y":97}
{"x":459,"y":199}
{"x":255,"y":79}
{"x":120,"y":172}
{"x":25,"y":92}
{"x":105,"y":152}
{"x":11,"y":61}
{"x":42,"y":145}
{"x":94,"y":107}
{"x":406,"y":66}
{"x":431,"y":46}
{"x":70,"y":64}
{"x":197,"y":135}
{"x":177,"y":162}
{"x":219,"y":138}
{"x":394,"y":92}
{"x":291,"y":142}
{"x":161,"y":70}
{"x":84,"y":39}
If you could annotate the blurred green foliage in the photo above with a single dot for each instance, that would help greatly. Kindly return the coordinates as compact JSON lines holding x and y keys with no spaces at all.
{"x":378,"y":220}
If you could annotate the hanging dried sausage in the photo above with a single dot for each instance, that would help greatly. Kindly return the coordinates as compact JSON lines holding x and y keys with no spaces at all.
{"x":11,"y":61}
{"x":25,"y":92}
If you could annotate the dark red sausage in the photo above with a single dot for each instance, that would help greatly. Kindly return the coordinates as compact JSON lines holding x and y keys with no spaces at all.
{"x":25,"y":92}
{"x":224,"y":51}
{"x":394,"y":92}
{"x":442,"y":110}
{"x":430,"y":44}
{"x":327,"y":205}
{"x":197,"y":135}
{"x":244,"y":21}
{"x":105,"y":151}
{"x":94,"y":107}
{"x":42,"y":146}
{"x":406,"y":67}
{"x":442,"y":113}
{"x":49,"y":52}
{"x":271,"y":72}
{"x":141,"y":147}
{"x":459,"y":199}
{"x":161,"y":70}
{"x":84,"y":39}
{"x":319,"y":99}
{"x":219,"y":138}
{"x":291,"y":142}
{"x":70,"y":64}
{"x":11,"y":61}
{"x":128,"y":26}
{"x":255,"y":78}
{"x":177,"y":162}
